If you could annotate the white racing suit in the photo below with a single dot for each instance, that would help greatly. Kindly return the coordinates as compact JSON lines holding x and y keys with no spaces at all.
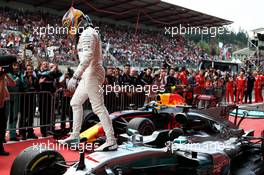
{"x":92,"y":76}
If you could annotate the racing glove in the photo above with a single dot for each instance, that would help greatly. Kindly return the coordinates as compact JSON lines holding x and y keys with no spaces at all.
{"x":72,"y":84}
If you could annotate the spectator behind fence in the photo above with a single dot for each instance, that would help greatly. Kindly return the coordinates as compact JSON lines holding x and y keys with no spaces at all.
{"x":126,"y":78}
{"x":5,"y":81}
{"x":14,"y":102}
{"x":192,"y":80}
{"x":118,"y":77}
{"x":171,"y":80}
{"x":250,"y":86}
{"x":134,"y":76}
{"x":146,"y":77}
{"x":28,"y":104}
{"x":110,"y":78}
{"x":200,"y":79}
{"x":218,"y":83}
{"x":46,"y":79}
{"x":183,"y":76}
{"x":160,"y":78}
{"x":209,"y":88}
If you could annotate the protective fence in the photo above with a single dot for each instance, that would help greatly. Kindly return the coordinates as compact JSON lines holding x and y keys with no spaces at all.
{"x":27,"y":110}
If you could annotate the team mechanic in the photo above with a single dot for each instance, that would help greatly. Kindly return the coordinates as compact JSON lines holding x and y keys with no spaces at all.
{"x":91,"y":74}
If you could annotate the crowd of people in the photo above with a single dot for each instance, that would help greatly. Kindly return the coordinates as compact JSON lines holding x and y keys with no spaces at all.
{"x":18,"y":95}
{"x":237,"y":88}
{"x":120,"y":42}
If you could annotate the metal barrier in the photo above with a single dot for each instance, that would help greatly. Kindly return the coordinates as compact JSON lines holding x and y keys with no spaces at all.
{"x":27,"y":110}
{"x":62,"y":108}
{"x":113,"y":102}
{"x":46,"y":109}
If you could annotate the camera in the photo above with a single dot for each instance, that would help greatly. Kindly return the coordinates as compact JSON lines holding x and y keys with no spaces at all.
{"x":5,"y":63}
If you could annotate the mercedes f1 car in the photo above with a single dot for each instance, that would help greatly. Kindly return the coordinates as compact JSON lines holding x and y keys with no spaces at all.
{"x":216,"y":148}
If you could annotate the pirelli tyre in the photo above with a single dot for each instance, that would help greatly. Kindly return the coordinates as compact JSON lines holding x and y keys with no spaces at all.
{"x":36,"y":160}
{"x":144,"y":126}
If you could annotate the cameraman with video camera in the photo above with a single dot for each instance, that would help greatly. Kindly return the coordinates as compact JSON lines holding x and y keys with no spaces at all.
{"x":5,"y":81}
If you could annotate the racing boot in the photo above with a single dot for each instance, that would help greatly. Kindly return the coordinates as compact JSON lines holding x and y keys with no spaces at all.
{"x":109,"y":145}
{"x":72,"y":139}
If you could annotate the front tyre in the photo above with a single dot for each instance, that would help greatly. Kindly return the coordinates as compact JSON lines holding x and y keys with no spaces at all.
{"x":36,"y":160}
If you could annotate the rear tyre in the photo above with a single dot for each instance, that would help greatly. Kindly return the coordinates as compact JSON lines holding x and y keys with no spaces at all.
{"x":143,"y":125}
{"x":37,"y":160}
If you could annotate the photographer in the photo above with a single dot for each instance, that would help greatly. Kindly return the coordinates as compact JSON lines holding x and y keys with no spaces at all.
{"x":5,"y":81}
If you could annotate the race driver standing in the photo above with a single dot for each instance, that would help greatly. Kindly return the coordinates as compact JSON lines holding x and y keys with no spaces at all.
{"x":91,"y":74}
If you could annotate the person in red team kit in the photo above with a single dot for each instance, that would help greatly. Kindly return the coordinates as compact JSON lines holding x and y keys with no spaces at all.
{"x":200,"y":79}
{"x":241,"y":82}
{"x":230,"y":89}
{"x":258,"y":87}
{"x":183,"y":76}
